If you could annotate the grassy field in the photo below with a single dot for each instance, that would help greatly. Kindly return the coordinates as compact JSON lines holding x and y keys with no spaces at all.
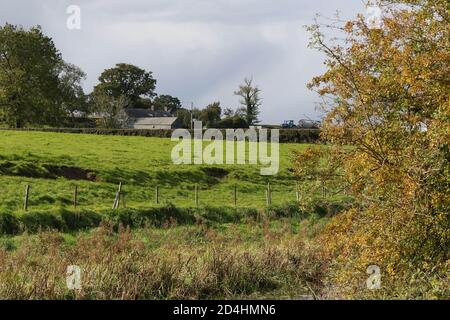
{"x":139,"y":163}
{"x":146,"y":251}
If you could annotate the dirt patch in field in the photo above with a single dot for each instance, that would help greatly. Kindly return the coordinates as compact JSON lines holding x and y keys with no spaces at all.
{"x":219,"y":173}
{"x":45,"y":171}
{"x":71,"y":173}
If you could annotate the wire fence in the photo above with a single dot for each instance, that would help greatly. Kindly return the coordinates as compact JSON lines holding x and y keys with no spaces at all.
{"x":119,"y":198}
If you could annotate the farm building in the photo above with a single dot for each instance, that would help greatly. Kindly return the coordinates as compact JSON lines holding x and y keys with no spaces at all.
{"x":143,"y":119}
{"x":151,"y":119}
{"x":155,"y":123}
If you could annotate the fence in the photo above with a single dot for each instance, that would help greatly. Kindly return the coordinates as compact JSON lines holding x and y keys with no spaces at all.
{"x":119,"y":199}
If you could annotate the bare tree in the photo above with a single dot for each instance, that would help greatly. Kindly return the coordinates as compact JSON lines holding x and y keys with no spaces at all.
{"x":111,"y":111}
{"x":251,"y":100}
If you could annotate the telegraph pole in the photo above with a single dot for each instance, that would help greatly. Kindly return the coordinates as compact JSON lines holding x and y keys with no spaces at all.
{"x":192,"y":109}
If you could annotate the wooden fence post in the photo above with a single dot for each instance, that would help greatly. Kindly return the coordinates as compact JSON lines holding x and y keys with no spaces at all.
{"x":157,"y":195}
{"x":297,"y":192}
{"x":25,"y":200}
{"x":75,"y":197}
{"x":268,"y":195}
{"x":196,"y":195}
{"x":117,"y":198}
{"x":235,"y":195}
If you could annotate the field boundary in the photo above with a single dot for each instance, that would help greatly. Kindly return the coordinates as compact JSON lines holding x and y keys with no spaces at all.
{"x":286,"y":135}
{"x":69,"y":220}
{"x":160,"y":214}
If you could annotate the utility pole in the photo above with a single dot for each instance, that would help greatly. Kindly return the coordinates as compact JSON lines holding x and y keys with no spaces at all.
{"x":192,"y":109}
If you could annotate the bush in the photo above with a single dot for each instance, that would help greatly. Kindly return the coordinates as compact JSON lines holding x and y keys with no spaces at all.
{"x":65,"y":220}
{"x":37,"y":221}
{"x":9,"y":224}
{"x":287,"y":210}
{"x":80,"y":220}
{"x":220,"y":214}
{"x":248,"y":213}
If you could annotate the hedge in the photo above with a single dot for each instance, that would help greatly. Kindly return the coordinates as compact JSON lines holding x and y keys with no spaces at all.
{"x":286,"y":135}
{"x":65,"y":220}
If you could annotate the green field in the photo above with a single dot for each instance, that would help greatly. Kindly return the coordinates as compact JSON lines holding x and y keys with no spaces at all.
{"x":172,"y":250}
{"x":140,"y":163}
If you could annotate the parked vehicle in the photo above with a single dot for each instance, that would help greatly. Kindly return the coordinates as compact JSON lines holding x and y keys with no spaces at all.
{"x":302,"y":124}
{"x":288,"y":124}
{"x":308,"y":124}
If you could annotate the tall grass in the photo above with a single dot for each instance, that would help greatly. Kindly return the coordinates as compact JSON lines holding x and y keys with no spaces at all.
{"x":121,"y":266}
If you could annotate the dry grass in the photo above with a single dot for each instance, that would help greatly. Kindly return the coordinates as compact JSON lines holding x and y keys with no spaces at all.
{"x":122,"y":266}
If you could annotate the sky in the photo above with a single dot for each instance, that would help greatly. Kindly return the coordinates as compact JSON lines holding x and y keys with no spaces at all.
{"x":198,"y":50}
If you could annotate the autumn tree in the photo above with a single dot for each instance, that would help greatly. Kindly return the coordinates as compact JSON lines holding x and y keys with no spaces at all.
{"x":250,"y":100}
{"x":386,"y":94}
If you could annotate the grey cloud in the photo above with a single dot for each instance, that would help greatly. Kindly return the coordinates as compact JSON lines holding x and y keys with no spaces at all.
{"x":199,"y":50}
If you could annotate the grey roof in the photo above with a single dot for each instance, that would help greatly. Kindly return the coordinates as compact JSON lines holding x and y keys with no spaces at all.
{"x":146,"y":113}
{"x":156,"y":121}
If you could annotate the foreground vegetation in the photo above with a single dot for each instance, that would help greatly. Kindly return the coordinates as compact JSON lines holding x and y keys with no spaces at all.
{"x":256,"y":258}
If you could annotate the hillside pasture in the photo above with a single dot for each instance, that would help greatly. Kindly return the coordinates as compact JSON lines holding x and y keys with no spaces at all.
{"x":54,"y":163}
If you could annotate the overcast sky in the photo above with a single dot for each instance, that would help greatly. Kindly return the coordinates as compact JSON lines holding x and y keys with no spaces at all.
{"x":198,"y":50}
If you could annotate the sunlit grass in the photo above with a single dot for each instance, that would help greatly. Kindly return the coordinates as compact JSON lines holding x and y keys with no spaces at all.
{"x":140,"y":163}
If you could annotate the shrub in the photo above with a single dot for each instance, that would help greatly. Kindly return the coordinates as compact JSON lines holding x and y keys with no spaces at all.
{"x":248,"y":213}
{"x":79,"y":220}
{"x":67,"y":220}
{"x":37,"y":221}
{"x":9,"y":224}
{"x":219,"y":214}
{"x":286,"y":210}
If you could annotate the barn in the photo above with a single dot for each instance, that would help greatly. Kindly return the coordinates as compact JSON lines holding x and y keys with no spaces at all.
{"x":151,"y":119}
{"x":155,"y":123}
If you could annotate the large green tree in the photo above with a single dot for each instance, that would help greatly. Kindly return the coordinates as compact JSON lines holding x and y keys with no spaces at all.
{"x":71,"y":90}
{"x":167,"y":102}
{"x":127,"y":80}
{"x":29,"y":83}
{"x":211,"y":114}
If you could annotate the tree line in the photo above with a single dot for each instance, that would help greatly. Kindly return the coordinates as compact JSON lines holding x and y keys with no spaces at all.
{"x":39,"y":88}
